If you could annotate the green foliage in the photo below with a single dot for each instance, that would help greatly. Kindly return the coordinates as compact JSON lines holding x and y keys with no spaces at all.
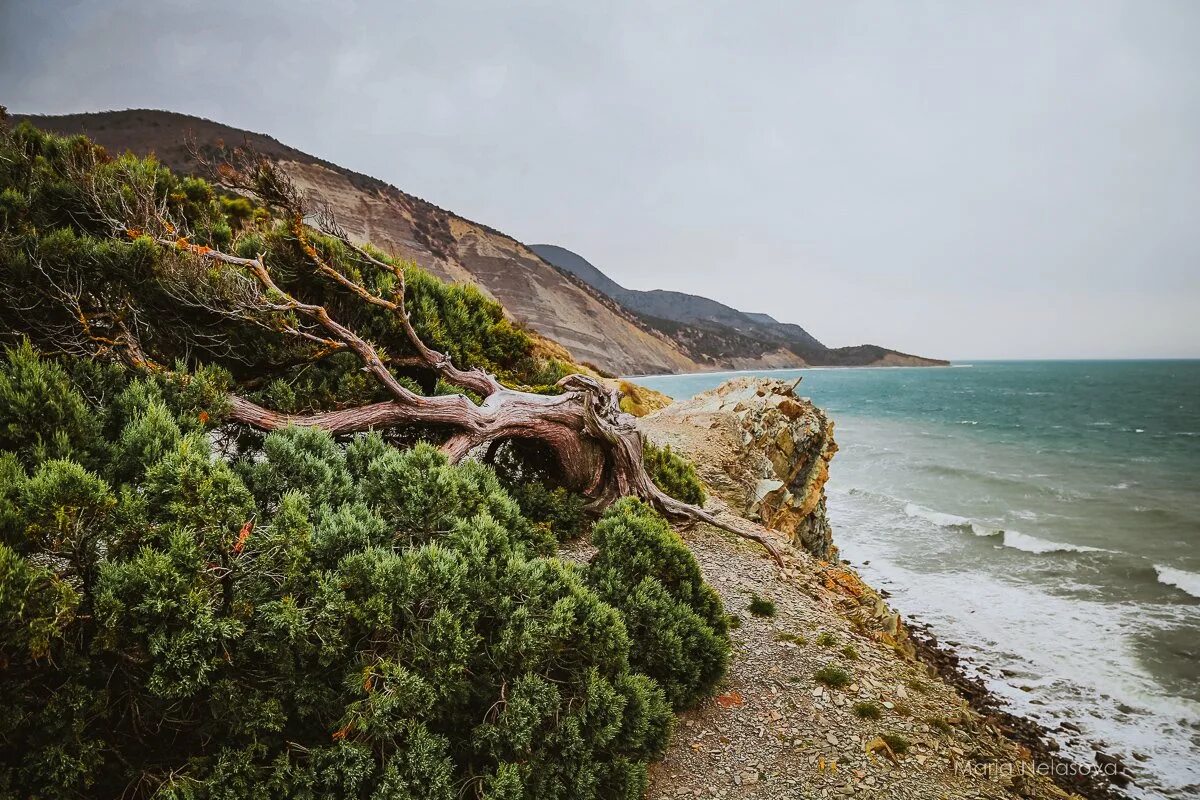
{"x":562,"y":511}
{"x":673,"y":474}
{"x":761,"y":606}
{"x":832,"y":675}
{"x":528,"y":474}
{"x":42,"y":416}
{"x":826,"y":639}
{"x":868,"y":709}
{"x":320,"y":619}
{"x":190,"y":609}
{"x":678,"y":625}
{"x":304,"y":460}
{"x":897,"y":742}
{"x":51,"y":236}
{"x":36,"y":606}
{"x":461,"y":321}
{"x":848,"y":652}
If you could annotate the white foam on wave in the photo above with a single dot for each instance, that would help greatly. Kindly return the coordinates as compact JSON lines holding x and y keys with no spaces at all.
{"x":1014,"y":539}
{"x":938,"y":518}
{"x":1032,"y":544}
{"x":983,"y":530}
{"x":1052,"y":658}
{"x":1181,"y":579}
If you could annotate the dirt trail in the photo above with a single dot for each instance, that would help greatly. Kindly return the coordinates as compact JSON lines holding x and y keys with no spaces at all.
{"x":776,"y":731}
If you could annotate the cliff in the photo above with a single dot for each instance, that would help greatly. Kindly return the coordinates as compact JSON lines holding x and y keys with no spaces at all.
{"x":760,"y":448}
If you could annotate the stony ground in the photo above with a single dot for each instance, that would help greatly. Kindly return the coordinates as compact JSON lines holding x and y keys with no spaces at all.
{"x":776,"y":731}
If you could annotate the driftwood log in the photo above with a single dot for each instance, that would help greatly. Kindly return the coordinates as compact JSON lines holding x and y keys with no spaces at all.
{"x":597,"y":446}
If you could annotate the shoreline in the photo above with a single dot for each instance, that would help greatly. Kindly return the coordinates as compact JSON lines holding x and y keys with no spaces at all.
{"x":743,"y":447}
{"x":772,"y":370}
{"x":1021,"y":510}
{"x":1105,"y":780}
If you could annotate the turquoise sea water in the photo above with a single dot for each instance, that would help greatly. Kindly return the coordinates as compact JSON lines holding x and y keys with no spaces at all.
{"x":1045,"y":517}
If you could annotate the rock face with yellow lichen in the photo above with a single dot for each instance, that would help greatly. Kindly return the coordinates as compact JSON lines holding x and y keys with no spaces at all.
{"x":762,"y":449}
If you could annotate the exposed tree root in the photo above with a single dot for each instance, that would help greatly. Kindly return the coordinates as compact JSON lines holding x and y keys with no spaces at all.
{"x":597,"y":446}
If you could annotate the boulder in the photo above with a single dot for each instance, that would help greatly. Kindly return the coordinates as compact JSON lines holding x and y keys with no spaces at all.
{"x":761,"y":449}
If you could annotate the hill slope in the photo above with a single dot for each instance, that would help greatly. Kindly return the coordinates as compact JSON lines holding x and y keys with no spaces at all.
{"x":549,"y":289}
{"x":708,"y":330}
{"x":594,"y":328}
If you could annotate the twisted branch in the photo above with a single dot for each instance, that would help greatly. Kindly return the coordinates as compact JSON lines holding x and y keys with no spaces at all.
{"x":597,"y":445}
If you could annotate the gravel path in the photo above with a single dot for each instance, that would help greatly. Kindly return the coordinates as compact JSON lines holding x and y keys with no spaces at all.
{"x":776,"y":731}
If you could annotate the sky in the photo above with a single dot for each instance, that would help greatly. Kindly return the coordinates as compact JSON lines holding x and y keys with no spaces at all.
{"x":958,"y":179}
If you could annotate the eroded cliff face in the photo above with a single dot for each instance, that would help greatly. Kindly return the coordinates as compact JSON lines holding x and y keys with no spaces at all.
{"x":760,"y":448}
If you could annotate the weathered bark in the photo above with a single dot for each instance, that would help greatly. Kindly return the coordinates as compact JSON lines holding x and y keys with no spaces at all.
{"x":597,"y":446}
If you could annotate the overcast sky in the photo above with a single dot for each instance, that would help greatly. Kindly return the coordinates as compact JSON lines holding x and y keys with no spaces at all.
{"x":957,"y":179}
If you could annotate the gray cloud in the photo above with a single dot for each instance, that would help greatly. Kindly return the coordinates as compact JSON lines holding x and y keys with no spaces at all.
{"x":960,"y":178}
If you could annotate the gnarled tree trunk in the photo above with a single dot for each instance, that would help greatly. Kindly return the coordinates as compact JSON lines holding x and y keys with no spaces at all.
{"x":596,"y":445}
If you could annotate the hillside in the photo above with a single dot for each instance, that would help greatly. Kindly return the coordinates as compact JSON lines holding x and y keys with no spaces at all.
{"x":589,"y":324}
{"x":710,"y":331}
{"x":546,"y":288}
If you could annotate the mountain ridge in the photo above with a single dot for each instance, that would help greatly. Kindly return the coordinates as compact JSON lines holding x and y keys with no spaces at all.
{"x":701,"y":324}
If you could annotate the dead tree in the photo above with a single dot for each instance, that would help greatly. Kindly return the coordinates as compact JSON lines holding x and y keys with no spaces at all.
{"x":597,"y":446}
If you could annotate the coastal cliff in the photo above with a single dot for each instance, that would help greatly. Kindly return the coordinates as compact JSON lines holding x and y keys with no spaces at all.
{"x":763,"y":450}
{"x":827,"y":694}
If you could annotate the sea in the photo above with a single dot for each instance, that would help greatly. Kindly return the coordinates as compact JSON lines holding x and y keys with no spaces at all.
{"x":1043,"y":518}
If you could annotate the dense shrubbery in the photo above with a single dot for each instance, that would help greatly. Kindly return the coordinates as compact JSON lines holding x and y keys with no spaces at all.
{"x":527,"y":473}
{"x":673,"y":474}
{"x":316,"y":618}
{"x":51,"y":238}
{"x":678,"y":626}
{"x":190,"y":608}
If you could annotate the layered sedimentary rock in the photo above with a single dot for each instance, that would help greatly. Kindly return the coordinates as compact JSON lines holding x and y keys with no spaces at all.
{"x":762,"y":449}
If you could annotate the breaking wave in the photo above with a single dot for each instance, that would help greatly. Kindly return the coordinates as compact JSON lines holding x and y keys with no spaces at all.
{"x":1032,"y":544}
{"x":1181,"y":579}
{"x":1014,"y":539}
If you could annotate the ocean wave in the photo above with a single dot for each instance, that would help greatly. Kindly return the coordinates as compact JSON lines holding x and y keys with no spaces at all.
{"x":938,"y":518}
{"x":1032,"y":544}
{"x":1014,"y":539}
{"x":1188,"y":582}
{"x":1038,"y":482}
{"x":1084,"y":668}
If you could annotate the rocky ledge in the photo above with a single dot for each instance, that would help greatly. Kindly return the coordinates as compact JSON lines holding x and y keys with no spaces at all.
{"x":763,"y":450}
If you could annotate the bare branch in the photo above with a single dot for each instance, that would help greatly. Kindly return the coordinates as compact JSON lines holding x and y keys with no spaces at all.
{"x":597,"y":446}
